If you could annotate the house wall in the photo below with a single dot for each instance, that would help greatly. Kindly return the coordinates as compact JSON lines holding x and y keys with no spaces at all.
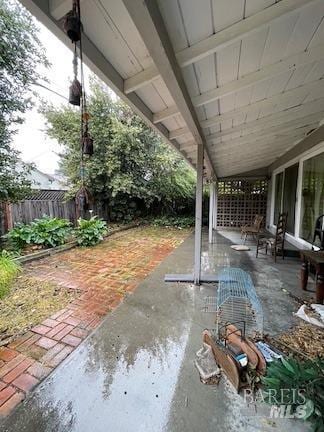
{"x":311,"y":146}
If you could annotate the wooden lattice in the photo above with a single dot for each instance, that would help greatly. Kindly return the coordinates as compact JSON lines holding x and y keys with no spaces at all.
{"x":239,"y":201}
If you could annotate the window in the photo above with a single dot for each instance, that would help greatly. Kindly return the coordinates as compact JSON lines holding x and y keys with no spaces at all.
{"x":289,"y":196}
{"x":278,"y":196}
{"x":312,"y":204}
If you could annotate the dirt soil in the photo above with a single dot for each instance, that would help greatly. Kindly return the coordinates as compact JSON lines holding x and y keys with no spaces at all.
{"x":28,"y":303}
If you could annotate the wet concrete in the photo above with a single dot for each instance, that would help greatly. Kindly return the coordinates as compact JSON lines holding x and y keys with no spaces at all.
{"x":136,"y":371}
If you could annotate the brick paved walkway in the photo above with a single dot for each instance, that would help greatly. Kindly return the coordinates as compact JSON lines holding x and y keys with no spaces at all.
{"x":103,"y":275}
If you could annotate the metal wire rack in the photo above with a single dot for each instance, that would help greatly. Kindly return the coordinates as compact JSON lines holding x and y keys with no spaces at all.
{"x":236,"y":301}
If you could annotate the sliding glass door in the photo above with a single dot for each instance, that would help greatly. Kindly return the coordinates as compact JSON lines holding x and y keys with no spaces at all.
{"x":312,"y":204}
{"x":285,"y":196}
{"x":310,"y":190}
{"x":289,"y":196}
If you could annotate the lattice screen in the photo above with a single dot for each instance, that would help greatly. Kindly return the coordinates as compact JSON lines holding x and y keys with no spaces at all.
{"x":239,"y":201}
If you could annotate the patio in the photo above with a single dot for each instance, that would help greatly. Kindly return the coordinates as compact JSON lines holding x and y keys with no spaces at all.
{"x":236,"y":88}
{"x":136,"y":371}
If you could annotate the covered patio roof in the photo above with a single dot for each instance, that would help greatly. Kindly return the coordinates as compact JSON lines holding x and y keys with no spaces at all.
{"x":240,"y":78}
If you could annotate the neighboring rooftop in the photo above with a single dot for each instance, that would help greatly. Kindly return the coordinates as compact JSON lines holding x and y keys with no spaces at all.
{"x":44,"y":181}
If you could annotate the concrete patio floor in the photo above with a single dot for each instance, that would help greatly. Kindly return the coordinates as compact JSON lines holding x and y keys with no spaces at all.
{"x":136,"y":371}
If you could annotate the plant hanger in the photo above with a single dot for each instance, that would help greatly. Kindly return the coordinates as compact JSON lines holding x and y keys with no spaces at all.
{"x":77,"y":96}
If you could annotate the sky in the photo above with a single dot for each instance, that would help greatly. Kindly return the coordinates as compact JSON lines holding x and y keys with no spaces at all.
{"x":31,"y":140}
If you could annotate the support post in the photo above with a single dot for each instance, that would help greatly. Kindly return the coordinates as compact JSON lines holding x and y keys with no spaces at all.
{"x":211,"y":212}
{"x":198,"y":217}
{"x":215,"y":206}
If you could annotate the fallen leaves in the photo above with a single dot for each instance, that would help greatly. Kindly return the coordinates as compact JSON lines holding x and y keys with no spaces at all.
{"x":306,"y":339}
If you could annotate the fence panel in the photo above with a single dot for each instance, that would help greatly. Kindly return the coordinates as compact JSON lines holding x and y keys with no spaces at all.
{"x":28,"y":210}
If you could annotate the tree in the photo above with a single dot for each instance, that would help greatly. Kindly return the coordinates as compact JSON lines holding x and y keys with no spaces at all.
{"x":20,"y":54}
{"x":132,"y":169}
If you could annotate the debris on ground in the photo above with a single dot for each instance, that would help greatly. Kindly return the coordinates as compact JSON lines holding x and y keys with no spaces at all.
{"x":304,"y":341}
{"x":205,"y":363}
{"x":28,"y":303}
{"x":313,"y":314}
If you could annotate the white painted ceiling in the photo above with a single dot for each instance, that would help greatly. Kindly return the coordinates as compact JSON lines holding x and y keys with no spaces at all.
{"x":254,"y":75}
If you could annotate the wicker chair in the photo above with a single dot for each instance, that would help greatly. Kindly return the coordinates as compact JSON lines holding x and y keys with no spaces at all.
{"x":276,"y":244}
{"x":252,"y":230}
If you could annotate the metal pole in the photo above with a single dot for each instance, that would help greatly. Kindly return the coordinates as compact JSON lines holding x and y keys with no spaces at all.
{"x":198,"y":220}
{"x":211,"y":213}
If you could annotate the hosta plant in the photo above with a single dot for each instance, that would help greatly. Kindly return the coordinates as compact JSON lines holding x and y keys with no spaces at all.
{"x":46,"y":231}
{"x":50,"y":232}
{"x":299,"y":385}
{"x":90,"y":232}
{"x":20,"y":236}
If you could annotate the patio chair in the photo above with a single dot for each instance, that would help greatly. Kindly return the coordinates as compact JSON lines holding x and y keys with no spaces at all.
{"x":252,"y":230}
{"x":319,"y":232}
{"x":276,"y":244}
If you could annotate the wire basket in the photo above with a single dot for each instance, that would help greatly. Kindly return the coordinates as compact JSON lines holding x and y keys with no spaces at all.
{"x":237,"y":301}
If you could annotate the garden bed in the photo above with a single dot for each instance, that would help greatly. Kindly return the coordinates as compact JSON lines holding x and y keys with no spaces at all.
{"x":41,"y":253}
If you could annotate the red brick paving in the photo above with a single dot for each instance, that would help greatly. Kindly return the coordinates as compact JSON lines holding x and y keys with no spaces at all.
{"x":11,"y":403}
{"x":103,"y":275}
{"x":25,"y":382}
{"x":38,"y":370}
{"x":72,"y":340}
{"x":46,"y":342}
{"x":17,"y":371}
{"x":7,"y":354}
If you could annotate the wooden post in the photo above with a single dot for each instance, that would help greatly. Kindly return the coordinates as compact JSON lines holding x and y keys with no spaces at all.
{"x":198,"y":220}
{"x":211,"y":212}
{"x":215,"y":206}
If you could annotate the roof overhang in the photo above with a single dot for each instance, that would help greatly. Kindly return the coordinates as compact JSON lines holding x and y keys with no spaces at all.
{"x":240,"y":77}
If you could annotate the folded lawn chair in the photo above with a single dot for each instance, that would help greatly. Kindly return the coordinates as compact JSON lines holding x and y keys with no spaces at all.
{"x":252,"y":230}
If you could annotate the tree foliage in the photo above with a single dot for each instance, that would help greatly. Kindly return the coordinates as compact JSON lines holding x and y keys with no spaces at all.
{"x":20,"y":54}
{"x":132,"y":169}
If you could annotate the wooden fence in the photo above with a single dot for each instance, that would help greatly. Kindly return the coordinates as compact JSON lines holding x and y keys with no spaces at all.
{"x":27,"y":210}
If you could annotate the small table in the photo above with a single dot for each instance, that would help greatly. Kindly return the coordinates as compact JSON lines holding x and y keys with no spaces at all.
{"x":316,"y":258}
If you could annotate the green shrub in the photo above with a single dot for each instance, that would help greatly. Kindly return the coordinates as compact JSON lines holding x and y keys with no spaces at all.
{"x":20,"y":236}
{"x":47,"y":232}
{"x":289,"y":377}
{"x":90,"y":232}
{"x":50,"y":232}
{"x":174,"y":221}
{"x":8,"y":271}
